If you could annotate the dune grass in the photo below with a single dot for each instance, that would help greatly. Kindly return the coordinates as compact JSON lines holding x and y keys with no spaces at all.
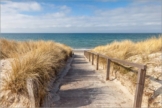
{"x":38,"y":60}
{"x":126,"y":49}
{"x":137,"y":52}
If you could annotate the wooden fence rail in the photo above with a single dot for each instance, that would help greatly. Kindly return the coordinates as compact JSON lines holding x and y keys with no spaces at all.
{"x":141,"y":73}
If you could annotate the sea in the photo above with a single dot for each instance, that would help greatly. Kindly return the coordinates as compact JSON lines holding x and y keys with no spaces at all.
{"x":80,"y":40}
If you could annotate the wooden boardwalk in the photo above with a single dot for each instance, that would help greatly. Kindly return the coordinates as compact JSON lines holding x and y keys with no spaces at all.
{"x":83,"y":86}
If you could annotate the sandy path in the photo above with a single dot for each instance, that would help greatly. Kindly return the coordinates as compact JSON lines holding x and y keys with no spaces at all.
{"x":85,"y":87}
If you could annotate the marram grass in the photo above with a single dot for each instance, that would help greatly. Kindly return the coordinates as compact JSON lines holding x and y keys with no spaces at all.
{"x":126,"y":49}
{"x":38,"y":60}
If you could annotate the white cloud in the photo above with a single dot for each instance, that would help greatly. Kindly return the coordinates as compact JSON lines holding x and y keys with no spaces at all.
{"x":136,"y":15}
{"x":133,"y":18}
{"x":10,"y":6}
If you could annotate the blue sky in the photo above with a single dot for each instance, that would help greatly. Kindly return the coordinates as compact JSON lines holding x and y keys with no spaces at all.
{"x":81,"y":16}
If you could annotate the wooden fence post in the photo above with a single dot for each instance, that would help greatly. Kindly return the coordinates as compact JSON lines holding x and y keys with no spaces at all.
{"x":140,"y":78}
{"x":30,"y":89}
{"x":97,"y":60}
{"x":108,"y":69}
{"x":139,"y":88}
{"x":92,"y":58}
{"x":89,"y":57}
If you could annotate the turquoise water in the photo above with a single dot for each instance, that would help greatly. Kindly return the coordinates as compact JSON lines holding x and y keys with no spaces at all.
{"x":80,"y":40}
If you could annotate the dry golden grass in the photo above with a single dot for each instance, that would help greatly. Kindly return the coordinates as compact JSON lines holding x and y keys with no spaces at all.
{"x":138,"y":52}
{"x":11,"y":49}
{"x":126,"y":49}
{"x":38,"y":60}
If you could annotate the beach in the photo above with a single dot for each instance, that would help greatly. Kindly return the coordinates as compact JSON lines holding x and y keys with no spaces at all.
{"x":49,"y":58}
{"x":80,"y":54}
{"x":80,"y":51}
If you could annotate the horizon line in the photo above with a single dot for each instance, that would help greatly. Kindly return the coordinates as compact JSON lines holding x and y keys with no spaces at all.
{"x":78,"y":32}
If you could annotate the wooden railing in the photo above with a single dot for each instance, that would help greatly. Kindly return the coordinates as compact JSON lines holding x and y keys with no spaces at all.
{"x":141,"y":73}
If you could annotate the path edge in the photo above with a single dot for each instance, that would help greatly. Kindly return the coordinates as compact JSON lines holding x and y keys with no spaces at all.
{"x":54,"y":86}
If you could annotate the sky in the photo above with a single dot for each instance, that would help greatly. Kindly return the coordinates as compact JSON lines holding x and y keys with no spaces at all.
{"x":81,"y":16}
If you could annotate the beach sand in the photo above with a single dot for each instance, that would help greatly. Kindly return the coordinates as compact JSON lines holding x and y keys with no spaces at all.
{"x":79,"y":51}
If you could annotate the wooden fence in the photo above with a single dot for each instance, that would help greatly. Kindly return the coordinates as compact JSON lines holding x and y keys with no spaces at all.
{"x":141,"y":73}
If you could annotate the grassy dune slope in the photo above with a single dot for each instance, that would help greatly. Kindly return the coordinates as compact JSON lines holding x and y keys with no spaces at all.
{"x":127,"y":48}
{"x":38,"y":60}
{"x":145,"y":52}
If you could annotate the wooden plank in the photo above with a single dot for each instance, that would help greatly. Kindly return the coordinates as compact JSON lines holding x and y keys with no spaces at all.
{"x":92,"y":59}
{"x":108,"y":70}
{"x":97,"y":61}
{"x":30,"y":89}
{"x":103,"y":56}
{"x":140,"y":79}
{"x":139,"y":88}
{"x":124,"y":62}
